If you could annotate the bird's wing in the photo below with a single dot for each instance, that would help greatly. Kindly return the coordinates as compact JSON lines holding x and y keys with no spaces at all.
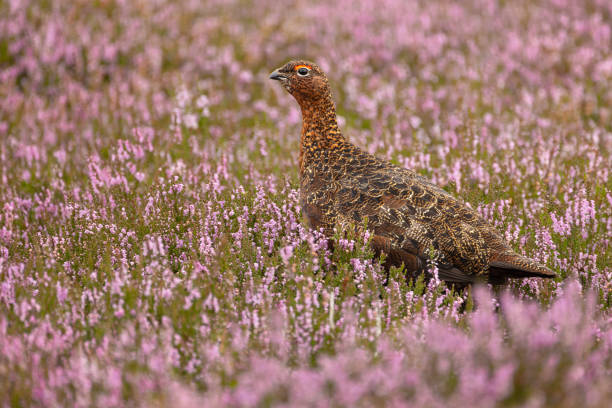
{"x":413,"y":213}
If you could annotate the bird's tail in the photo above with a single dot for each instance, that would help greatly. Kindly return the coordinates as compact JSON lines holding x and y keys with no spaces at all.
{"x":513,"y":265}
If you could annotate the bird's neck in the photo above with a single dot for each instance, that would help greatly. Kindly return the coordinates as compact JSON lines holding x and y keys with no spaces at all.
{"x":320,"y":129}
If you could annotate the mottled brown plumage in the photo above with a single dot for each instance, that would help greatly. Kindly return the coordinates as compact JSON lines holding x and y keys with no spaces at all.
{"x":412,"y":219}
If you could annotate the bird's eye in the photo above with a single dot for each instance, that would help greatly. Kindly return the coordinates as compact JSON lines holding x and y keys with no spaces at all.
{"x":303,"y":71}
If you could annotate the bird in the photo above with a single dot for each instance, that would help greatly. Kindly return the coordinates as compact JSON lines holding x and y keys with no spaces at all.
{"x":412,"y":221}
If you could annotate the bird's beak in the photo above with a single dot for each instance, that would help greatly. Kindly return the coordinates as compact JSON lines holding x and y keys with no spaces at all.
{"x":277,"y":75}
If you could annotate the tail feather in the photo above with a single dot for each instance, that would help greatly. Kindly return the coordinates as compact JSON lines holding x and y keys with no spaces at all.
{"x":513,"y":265}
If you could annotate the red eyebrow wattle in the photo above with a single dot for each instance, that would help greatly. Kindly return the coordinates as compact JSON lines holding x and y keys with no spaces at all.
{"x":301,"y":66}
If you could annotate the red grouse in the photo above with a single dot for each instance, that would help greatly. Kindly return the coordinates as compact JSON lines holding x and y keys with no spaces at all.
{"x":412,"y":219}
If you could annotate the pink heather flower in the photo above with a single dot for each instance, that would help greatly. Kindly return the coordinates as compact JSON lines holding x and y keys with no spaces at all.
{"x":346,"y":244}
{"x":286,"y":252}
{"x":62,"y":293}
{"x":560,"y":226}
{"x":191,"y":121}
{"x":204,"y":104}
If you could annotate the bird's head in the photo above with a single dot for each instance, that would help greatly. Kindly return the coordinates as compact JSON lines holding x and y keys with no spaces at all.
{"x":304,"y":80}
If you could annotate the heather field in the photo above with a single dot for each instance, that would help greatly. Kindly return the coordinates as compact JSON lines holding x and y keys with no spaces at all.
{"x":152,"y":248}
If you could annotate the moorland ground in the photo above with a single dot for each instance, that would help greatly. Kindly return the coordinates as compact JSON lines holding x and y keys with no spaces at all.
{"x":152,"y":248}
